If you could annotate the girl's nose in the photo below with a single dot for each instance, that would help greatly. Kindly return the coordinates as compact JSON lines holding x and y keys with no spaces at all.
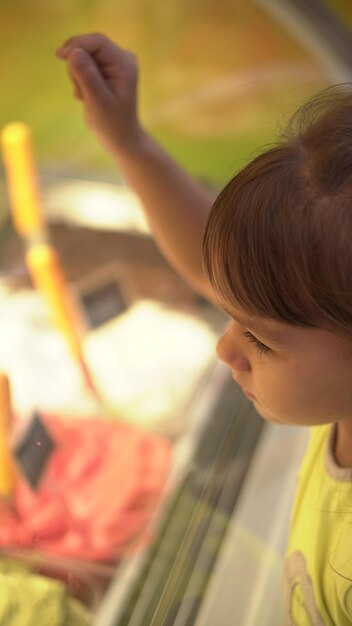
{"x":229,"y":351}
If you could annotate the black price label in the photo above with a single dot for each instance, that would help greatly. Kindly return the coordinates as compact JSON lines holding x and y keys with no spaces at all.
{"x":34,"y":450}
{"x":103,"y":303}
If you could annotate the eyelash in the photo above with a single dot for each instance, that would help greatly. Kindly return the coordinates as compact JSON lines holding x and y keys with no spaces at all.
{"x":261,"y":347}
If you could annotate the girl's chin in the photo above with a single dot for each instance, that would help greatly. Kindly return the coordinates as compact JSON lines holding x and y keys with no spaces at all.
{"x":266,"y":414}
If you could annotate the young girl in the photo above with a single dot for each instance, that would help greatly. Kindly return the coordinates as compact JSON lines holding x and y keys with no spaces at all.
{"x":274,"y":251}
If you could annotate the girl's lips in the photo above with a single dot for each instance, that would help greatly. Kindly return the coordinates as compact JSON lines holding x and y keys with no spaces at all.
{"x":245,"y":391}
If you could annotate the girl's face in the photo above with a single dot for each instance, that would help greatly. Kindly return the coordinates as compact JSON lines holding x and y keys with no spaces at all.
{"x":294,"y":375}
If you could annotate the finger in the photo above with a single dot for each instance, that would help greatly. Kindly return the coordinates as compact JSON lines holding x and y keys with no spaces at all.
{"x":86,"y":76}
{"x":104,"y":52}
{"x":87,"y":40}
{"x":92,"y":43}
{"x":76,"y":90}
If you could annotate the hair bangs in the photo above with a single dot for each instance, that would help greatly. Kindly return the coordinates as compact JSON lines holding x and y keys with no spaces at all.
{"x":270,"y":245}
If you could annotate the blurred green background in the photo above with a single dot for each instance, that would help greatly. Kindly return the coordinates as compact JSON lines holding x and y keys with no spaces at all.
{"x":216,"y":77}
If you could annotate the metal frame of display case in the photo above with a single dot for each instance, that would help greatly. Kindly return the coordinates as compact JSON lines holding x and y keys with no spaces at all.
{"x":321,"y":32}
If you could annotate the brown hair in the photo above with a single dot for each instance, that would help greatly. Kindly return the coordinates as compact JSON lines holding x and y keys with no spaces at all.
{"x":278,"y":241}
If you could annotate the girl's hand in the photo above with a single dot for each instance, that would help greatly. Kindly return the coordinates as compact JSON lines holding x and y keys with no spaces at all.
{"x":105,"y":79}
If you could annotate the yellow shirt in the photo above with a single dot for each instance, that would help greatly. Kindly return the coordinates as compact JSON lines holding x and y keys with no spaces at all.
{"x":318,"y":568}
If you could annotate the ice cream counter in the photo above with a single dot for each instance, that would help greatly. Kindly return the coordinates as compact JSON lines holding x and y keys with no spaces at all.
{"x":141,"y":500}
{"x":133,"y":499}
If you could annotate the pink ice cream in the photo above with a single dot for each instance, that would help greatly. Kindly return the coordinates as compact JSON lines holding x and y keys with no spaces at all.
{"x":97,"y":493}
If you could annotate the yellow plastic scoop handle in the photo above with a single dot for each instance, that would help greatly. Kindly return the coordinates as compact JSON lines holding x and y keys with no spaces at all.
{"x":23,"y":184}
{"x":7,"y":466}
{"x":47,"y":275}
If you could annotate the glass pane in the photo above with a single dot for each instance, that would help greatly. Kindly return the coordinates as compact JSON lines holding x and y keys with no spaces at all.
{"x":145,"y":441}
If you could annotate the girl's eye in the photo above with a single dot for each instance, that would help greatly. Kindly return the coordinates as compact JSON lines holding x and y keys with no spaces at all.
{"x":261,"y":347}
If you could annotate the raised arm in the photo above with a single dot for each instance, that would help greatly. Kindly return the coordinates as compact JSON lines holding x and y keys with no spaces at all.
{"x":105,"y":79}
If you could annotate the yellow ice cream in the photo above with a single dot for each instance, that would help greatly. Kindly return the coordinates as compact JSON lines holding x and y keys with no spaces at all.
{"x":28,"y":599}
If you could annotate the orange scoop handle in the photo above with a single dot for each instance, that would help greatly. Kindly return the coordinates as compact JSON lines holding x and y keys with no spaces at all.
{"x":7,"y":466}
{"x":45,"y":269}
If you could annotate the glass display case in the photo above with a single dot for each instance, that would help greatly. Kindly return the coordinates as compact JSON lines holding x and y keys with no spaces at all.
{"x":164,"y":498}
